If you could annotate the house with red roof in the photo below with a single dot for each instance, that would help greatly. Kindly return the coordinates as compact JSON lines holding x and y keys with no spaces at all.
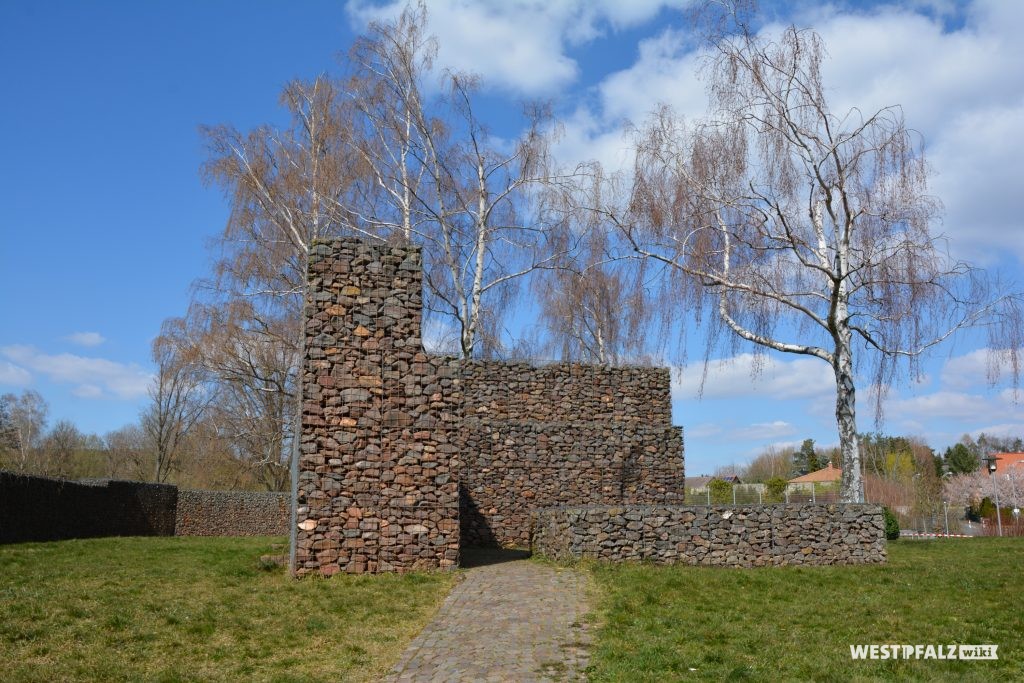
{"x":827,"y":474}
{"x":1009,"y":463}
{"x":820,"y":484}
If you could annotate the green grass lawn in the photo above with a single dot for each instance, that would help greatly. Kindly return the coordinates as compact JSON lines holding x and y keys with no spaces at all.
{"x":797,"y":624}
{"x":171,"y":609}
{"x":202,"y":609}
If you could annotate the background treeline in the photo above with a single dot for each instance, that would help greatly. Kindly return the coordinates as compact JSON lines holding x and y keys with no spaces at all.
{"x":905,"y":474}
{"x":204,"y":458}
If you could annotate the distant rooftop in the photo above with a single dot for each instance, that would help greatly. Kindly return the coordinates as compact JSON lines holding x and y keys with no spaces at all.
{"x":1009,"y":463}
{"x":829,"y":473}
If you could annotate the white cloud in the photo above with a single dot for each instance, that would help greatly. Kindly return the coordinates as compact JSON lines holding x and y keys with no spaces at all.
{"x":14,"y":374}
{"x":703,"y":430}
{"x":974,"y":369}
{"x":765,"y":430}
{"x":744,"y":375}
{"x":664,"y":72}
{"x":953,"y":405}
{"x":978,"y":157}
{"x":940,"y":404}
{"x":88,"y":374}
{"x":963,"y":89}
{"x":518,"y":45}
{"x":87,"y":391}
{"x":754,"y":451}
{"x":1004,"y":430}
{"x":86,"y":338}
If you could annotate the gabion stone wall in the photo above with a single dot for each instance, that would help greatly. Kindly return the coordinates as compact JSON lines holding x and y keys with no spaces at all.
{"x":378,"y":486}
{"x":231,"y":513}
{"x":563,"y":434}
{"x":737,"y":536}
{"x":398,"y":447}
{"x":563,"y":392}
{"x":44,"y":509}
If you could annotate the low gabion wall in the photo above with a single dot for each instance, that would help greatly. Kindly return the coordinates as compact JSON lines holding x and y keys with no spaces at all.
{"x":231,"y":513}
{"x":724,"y":536}
{"x":45,"y":509}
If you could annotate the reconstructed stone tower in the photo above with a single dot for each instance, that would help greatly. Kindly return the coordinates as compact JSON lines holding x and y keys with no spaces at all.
{"x":405,"y":455}
{"x":378,"y":485}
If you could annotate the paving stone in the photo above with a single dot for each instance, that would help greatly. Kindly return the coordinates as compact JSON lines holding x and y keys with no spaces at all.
{"x":510,"y":619}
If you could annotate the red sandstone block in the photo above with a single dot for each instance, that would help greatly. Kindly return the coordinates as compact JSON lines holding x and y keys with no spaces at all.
{"x":326,"y":544}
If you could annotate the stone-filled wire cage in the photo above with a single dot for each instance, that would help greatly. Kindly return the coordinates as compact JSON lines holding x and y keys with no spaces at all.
{"x":407,"y":456}
{"x":377,"y":484}
{"x":537,"y":435}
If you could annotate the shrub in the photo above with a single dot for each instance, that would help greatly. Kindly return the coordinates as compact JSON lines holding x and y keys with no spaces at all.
{"x":721,"y":491}
{"x":776,"y":489}
{"x":986,"y":509}
{"x":892,"y":525}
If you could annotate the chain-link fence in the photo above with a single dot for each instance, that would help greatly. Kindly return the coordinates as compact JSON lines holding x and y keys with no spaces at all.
{"x":954,"y":520}
{"x":761,"y":494}
{"x":938,"y":521}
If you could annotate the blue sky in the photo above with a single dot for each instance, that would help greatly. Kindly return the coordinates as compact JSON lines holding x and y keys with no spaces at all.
{"x":105,"y":222}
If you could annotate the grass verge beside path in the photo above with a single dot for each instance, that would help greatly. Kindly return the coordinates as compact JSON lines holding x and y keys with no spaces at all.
{"x":202,"y":609}
{"x":797,"y":624}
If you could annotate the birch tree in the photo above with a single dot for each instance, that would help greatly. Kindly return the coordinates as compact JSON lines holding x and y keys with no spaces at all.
{"x":254,"y":408}
{"x":23,"y":431}
{"x":480,"y":238}
{"x":444,"y":182}
{"x":803,"y":230}
{"x":590,"y":308}
{"x":178,"y":397}
{"x":387,"y":68}
{"x":9,"y":437}
{"x":287,"y":187}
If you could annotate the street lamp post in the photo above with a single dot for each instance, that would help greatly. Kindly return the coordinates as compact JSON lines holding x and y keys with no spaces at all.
{"x":1016,"y":504}
{"x":918,"y":503}
{"x":945,"y":504}
{"x":991,"y":462}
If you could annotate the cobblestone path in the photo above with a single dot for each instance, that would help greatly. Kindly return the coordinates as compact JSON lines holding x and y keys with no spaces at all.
{"x":508,"y":619}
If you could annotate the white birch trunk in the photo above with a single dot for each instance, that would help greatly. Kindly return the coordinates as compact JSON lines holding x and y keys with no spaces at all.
{"x":852,"y":483}
{"x":472,"y":321}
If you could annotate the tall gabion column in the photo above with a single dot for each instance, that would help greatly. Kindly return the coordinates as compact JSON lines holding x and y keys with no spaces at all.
{"x":378,"y":472}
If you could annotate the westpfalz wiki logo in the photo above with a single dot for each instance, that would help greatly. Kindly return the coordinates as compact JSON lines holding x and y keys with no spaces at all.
{"x":891,"y":651}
